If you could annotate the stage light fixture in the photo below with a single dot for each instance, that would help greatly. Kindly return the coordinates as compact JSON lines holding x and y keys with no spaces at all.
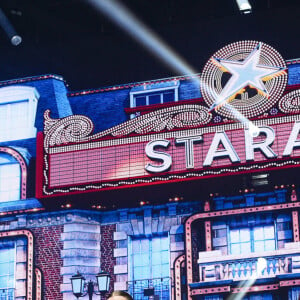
{"x":14,"y":38}
{"x":244,"y":6}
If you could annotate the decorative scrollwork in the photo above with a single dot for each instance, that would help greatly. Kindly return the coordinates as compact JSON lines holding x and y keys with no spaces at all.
{"x":77,"y":128}
{"x":70,"y":129}
{"x":181,"y":116}
{"x":290,"y":103}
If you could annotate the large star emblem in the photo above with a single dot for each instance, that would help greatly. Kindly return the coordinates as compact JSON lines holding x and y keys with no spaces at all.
{"x":246,"y":73}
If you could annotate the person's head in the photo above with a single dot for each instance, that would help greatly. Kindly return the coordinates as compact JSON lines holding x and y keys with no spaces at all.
{"x":119,"y":295}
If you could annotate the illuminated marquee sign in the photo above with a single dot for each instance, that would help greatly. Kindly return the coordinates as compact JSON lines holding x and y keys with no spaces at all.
{"x":182,"y":142}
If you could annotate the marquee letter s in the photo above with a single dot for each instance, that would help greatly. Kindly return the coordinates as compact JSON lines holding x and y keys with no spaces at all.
{"x":157,"y":155}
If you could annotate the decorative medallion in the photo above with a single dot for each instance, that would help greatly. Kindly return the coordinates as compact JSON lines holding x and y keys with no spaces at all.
{"x":249,"y":75}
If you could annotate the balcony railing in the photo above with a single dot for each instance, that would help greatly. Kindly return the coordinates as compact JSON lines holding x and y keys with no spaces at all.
{"x":7,"y":294}
{"x":213,"y":266}
{"x":139,"y":289}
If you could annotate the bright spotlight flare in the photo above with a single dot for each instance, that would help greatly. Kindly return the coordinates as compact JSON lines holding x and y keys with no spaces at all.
{"x":14,"y":38}
{"x":128,"y":22}
{"x":253,"y":129}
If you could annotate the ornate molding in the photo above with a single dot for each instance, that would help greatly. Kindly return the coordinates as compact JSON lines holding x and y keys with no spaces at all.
{"x":78,"y":128}
{"x":255,"y":288}
{"x":70,"y":129}
{"x":213,"y":290}
{"x":291,"y":282}
{"x":38,"y":284}
{"x":178,"y":264}
{"x":28,"y":234}
{"x":181,"y":116}
{"x":295,"y":220}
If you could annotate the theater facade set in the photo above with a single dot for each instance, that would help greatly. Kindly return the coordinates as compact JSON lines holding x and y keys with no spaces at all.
{"x":163,"y":184}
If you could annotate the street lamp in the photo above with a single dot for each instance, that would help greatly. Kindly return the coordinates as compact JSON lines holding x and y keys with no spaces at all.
{"x":79,"y":285}
{"x":103,"y":280}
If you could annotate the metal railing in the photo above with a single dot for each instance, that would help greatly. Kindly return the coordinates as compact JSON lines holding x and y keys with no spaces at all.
{"x":215,"y":266}
{"x":145,"y":289}
{"x":7,"y":294}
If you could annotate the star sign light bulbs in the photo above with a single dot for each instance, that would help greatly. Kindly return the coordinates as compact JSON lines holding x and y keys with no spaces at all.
{"x":248,"y":72}
{"x":243,"y":80}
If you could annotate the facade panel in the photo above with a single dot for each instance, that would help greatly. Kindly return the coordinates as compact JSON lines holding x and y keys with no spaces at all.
{"x":169,"y":194}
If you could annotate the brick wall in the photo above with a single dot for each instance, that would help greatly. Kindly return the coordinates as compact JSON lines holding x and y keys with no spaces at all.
{"x":48,"y":248}
{"x":108,"y":244}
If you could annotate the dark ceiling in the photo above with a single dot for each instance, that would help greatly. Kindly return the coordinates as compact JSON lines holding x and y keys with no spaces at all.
{"x":70,"y":38}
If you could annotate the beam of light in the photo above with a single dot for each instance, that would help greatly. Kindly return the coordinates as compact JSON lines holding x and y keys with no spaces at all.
{"x":245,"y":285}
{"x":128,"y":22}
{"x":14,"y":38}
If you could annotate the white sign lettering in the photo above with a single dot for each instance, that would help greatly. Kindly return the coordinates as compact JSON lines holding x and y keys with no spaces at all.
{"x":221,"y":147}
{"x":158,"y":155}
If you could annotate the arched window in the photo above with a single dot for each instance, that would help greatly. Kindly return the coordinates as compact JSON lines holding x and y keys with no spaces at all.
{"x":18,"y":106}
{"x":10,"y":178}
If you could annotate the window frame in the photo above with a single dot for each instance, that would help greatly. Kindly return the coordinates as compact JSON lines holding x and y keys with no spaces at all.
{"x":20,"y":159}
{"x":150,"y":253}
{"x":14,"y":250}
{"x":16,"y":174}
{"x":160,"y":91}
{"x":29,"y":291}
{"x":252,"y":240}
{"x":17,"y":94}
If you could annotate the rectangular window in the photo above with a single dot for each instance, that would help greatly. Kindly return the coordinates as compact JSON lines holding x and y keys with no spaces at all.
{"x":252,"y":239}
{"x":7,"y":270}
{"x":240,"y":241}
{"x":18,"y":105}
{"x":155,"y":97}
{"x":149,"y":266}
{"x":264,"y":238}
{"x":14,"y":120}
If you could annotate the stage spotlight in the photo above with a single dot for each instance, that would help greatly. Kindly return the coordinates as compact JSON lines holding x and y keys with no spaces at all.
{"x":244,"y":6}
{"x":14,"y":38}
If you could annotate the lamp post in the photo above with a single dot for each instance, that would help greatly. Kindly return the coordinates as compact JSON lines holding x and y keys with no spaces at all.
{"x":81,"y":289}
